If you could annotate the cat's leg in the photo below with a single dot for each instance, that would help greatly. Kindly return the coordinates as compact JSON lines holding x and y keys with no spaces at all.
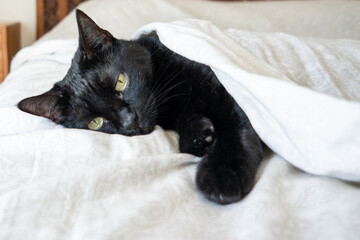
{"x":230,"y":161}
{"x":228,"y":173}
{"x":197,"y":135}
{"x":231,"y":152}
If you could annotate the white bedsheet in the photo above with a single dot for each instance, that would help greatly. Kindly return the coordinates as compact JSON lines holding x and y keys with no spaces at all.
{"x":59,"y":183}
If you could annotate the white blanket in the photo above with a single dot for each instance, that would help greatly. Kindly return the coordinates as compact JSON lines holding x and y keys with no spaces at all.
{"x":315,"y":132}
{"x":59,"y":183}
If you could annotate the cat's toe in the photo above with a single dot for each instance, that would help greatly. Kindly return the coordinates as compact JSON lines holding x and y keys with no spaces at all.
{"x":197,"y":135}
{"x":223,"y":183}
{"x":209,"y":139}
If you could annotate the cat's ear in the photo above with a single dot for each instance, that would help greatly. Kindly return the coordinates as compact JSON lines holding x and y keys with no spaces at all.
{"x":91,"y":37}
{"x":45,"y":105}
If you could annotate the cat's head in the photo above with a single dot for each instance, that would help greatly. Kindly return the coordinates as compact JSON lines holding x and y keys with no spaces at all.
{"x":107,"y":88}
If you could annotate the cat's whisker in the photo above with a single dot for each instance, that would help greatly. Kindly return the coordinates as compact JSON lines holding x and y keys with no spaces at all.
{"x":168,"y":98}
{"x":154,"y":52}
{"x":156,"y":91}
{"x":163,"y":70}
{"x":162,"y":98}
{"x":171,"y":88}
{"x":157,"y":111}
{"x":158,"y":83}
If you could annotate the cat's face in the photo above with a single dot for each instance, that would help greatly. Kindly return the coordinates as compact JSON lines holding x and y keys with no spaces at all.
{"x":107,"y":88}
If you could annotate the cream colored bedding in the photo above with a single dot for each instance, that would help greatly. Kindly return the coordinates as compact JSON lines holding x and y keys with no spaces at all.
{"x":302,"y":95}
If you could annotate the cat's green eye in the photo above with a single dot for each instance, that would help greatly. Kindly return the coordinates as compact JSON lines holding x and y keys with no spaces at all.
{"x":96,"y":123}
{"x":121,"y":82}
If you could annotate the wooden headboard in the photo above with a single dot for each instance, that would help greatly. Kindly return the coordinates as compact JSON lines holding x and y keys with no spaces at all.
{"x":50,"y":12}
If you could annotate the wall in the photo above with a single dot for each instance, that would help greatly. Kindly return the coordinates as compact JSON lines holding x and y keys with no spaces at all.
{"x":23,"y":11}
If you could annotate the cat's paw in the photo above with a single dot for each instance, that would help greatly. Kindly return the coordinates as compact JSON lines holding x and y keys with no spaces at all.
{"x":223,"y":182}
{"x":197,"y":135}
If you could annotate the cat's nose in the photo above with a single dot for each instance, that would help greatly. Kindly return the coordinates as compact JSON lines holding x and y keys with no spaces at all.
{"x":127,"y":118}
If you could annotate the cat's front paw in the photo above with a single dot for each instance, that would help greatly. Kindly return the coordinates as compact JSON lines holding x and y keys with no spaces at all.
{"x":223,"y":182}
{"x":197,"y":135}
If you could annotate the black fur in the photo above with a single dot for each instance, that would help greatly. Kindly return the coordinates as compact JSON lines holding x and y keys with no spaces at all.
{"x":165,"y":89}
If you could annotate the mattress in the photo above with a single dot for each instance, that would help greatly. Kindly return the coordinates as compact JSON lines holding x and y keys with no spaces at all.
{"x":297,"y":80}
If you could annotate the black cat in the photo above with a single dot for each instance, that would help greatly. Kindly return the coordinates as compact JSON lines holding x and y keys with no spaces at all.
{"x":127,"y":87}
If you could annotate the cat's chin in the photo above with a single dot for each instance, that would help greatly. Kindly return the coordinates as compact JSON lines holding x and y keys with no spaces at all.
{"x":135,"y":131}
{"x":146,"y":130}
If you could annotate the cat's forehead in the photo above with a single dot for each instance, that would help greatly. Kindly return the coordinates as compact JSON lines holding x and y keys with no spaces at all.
{"x":125,"y":55}
{"x":130,"y":52}
{"x":92,"y":77}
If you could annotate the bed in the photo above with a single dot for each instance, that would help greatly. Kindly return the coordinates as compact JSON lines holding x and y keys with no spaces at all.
{"x":293,"y":66}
